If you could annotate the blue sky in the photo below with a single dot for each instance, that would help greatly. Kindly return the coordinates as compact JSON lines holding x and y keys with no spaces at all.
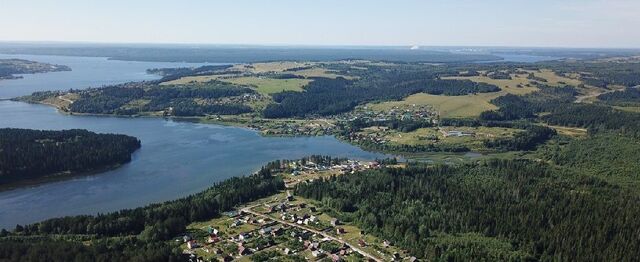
{"x":556,"y":23}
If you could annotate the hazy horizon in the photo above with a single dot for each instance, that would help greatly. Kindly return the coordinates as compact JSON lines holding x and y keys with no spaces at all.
{"x":283,"y":45}
{"x":434,"y":23}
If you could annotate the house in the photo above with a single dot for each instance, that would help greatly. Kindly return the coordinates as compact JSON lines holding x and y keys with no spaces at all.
{"x":265,"y":230}
{"x":231,"y":214}
{"x":335,"y":222}
{"x":362,"y":243}
{"x":289,"y":196}
{"x":186,"y":238}
{"x":386,"y":243}
{"x":212,"y":230}
{"x":276,"y":231}
{"x":339,"y":231}
{"x":287,"y":251}
{"x":282,"y":207}
{"x":457,"y":133}
{"x":335,"y":258}
{"x":192,"y":244}
{"x":213,"y":238}
{"x":243,"y":236}
{"x":236,"y":223}
{"x":242,"y":250}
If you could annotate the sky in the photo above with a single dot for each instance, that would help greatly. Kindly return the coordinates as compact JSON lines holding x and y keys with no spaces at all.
{"x":530,"y":23}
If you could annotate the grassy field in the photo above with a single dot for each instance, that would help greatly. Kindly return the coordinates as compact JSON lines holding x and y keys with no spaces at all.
{"x":269,"y":85}
{"x":508,"y":86}
{"x":424,"y":136}
{"x":194,"y":79}
{"x":570,"y":131}
{"x":634,"y":109}
{"x":269,"y":67}
{"x":554,"y":79}
{"x":319,"y":72}
{"x":473,"y":105}
{"x":448,"y":106}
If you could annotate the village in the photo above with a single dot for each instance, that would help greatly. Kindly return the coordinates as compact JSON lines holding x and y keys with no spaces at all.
{"x":285,"y":227}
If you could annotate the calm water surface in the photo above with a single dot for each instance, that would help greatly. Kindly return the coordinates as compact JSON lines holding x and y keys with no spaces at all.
{"x":176,"y":158}
{"x":86,"y":72}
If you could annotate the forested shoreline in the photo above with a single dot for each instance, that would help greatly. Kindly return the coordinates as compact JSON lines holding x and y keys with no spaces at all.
{"x":27,"y":154}
{"x":138,"y":234}
{"x":532,"y":211}
{"x":9,"y":68}
{"x":560,"y":182}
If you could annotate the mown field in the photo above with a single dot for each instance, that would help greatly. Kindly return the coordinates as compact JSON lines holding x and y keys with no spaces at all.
{"x":448,"y":106}
{"x":269,"y":85}
{"x":473,"y":105}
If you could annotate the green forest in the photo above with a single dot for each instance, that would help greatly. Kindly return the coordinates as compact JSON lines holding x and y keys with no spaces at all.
{"x":556,"y":179}
{"x":139,"y":234}
{"x":11,"y":67}
{"x":494,"y":210}
{"x":27,"y":154}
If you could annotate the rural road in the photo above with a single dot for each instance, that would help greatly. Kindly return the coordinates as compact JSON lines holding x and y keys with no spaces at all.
{"x":362,"y":252}
{"x":65,"y":99}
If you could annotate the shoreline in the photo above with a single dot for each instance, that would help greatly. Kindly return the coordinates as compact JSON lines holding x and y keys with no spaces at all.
{"x":62,"y":176}
{"x":441,"y":155}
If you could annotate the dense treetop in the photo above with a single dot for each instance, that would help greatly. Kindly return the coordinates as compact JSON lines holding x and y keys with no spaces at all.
{"x":27,"y":154}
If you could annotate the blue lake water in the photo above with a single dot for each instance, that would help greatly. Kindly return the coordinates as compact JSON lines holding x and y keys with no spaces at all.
{"x":519,"y":58}
{"x":86,"y":72}
{"x":176,"y":158}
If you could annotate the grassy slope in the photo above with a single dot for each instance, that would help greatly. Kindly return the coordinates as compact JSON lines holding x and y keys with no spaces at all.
{"x":473,"y":105}
{"x":448,"y":106}
{"x":270,"y":86}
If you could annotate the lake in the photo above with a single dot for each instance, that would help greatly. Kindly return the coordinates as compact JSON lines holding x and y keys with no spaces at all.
{"x":520,"y":58}
{"x":176,"y":158}
{"x":86,"y":72}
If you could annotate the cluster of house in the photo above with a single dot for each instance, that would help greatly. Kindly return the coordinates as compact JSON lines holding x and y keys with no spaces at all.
{"x":404,"y":113}
{"x":304,"y":219}
{"x":267,"y":227}
{"x":347,"y":166}
{"x":296,"y":128}
{"x":457,"y":133}
{"x":371,"y":137}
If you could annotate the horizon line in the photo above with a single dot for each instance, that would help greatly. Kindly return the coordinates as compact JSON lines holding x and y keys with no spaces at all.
{"x":61,"y":42}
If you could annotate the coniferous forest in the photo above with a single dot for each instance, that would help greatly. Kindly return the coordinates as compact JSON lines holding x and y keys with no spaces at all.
{"x":29,"y":154}
{"x":139,"y":234}
{"x":498,"y":210}
{"x":322,"y":131}
{"x":555,"y":179}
